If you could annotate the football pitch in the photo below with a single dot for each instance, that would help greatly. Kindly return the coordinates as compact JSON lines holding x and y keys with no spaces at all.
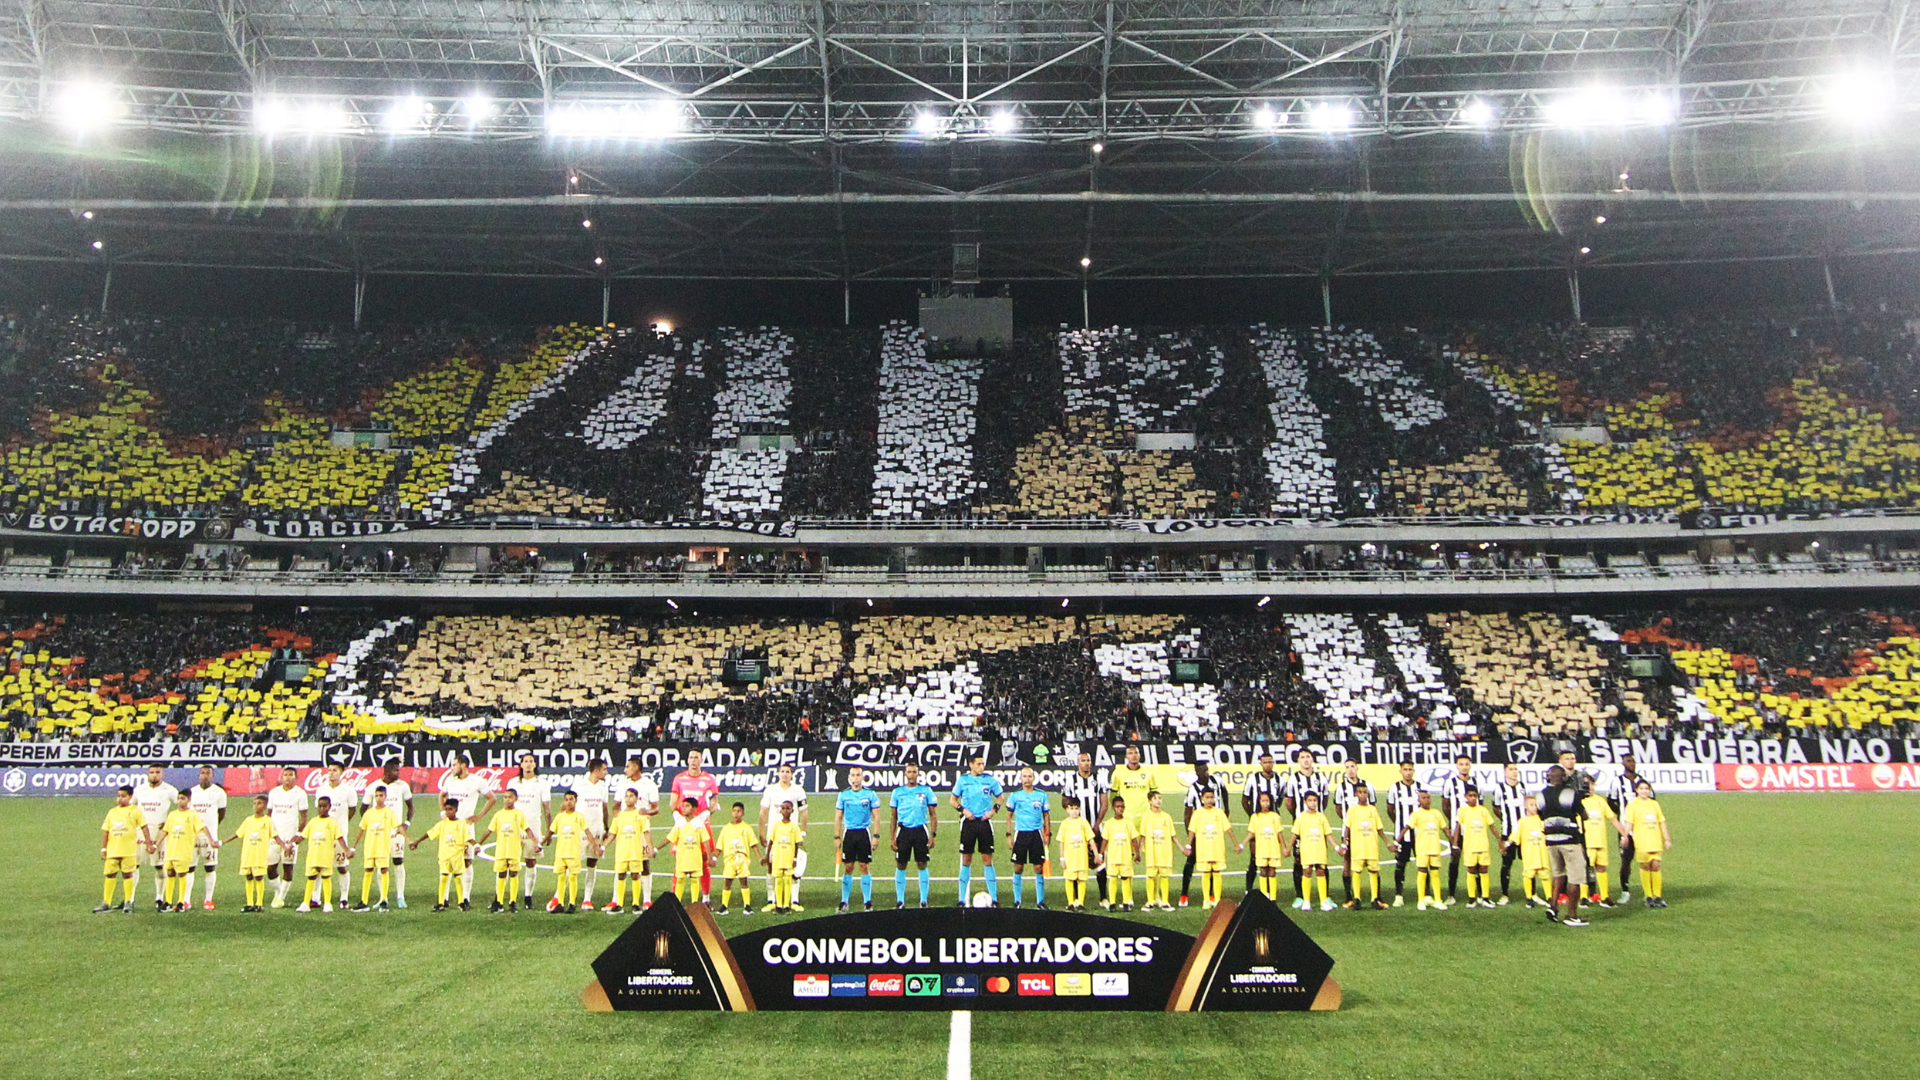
{"x":1789,"y":950}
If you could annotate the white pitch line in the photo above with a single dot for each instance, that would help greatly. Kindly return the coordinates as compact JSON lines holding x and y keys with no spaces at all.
{"x":960,"y":1047}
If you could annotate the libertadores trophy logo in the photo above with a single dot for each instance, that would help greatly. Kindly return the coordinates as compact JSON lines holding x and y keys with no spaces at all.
{"x":1248,"y":956}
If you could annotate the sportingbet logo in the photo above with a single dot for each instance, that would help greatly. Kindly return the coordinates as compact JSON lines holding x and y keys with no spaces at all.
{"x":886,"y":985}
{"x":848,"y":986}
{"x":1036,"y":985}
{"x":923,"y":986}
{"x":811,"y":986}
{"x":1110,"y":984}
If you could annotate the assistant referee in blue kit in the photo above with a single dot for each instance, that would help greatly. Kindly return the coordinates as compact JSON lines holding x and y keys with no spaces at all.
{"x":977,"y":796}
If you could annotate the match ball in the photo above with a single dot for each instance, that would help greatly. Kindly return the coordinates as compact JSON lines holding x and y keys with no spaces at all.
{"x":981,"y":899}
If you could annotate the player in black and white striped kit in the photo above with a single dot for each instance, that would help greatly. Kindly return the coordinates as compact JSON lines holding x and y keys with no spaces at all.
{"x":1306,"y":780}
{"x":1274,"y":785}
{"x":1454,"y":790}
{"x":1087,"y":786}
{"x":1403,"y":798}
{"x":1510,"y":802}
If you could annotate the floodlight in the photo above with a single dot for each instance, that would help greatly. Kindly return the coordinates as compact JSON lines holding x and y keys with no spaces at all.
{"x":88,"y":106}
{"x":407,"y":115}
{"x":1600,"y":219}
{"x":478,"y":107}
{"x":1330,"y":117}
{"x":673,"y":605}
{"x":1586,"y":250}
{"x":652,"y":120}
{"x":87,"y":215}
{"x":1593,"y":106}
{"x":598,"y":261}
{"x":1264,"y":601}
{"x":1099,"y":147}
{"x":1478,"y":113}
{"x":1085,"y":262}
{"x":1863,"y":96}
{"x":662,"y":326}
{"x":586,"y":223}
{"x":1003,"y":122}
{"x":1266,"y":119}
{"x":928,"y":123}
{"x":324,"y":118}
{"x":97,"y":245}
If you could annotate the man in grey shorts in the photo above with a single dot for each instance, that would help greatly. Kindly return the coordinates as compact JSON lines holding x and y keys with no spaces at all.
{"x":1560,"y":812}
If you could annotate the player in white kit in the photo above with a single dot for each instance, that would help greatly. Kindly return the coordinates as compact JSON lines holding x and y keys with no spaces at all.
{"x":646,"y":795}
{"x":209,"y":800}
{"x":287,"y":807}
{"x":781,"y":789}
{"x":155,"y":800}
{"x":592,"y":796}
{"x":466,"y":790}
{"x":339,"y":788}
{"x":532,"y":793}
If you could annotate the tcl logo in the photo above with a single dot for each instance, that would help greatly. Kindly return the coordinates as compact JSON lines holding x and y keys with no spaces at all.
{"x":1036,"y":985}
{"x":886,"y":985}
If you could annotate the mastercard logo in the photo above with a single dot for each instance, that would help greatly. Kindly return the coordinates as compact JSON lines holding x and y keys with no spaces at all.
{"x":999,"y":984}
{"x":1882,"y":776}
{"x":1747,"y":777}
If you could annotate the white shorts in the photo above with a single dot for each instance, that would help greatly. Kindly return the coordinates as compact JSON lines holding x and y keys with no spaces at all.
{"x":155,"y":859}
{"x":398,"y":849}
{"x":281,"y":851}
{"x":596,"y":842}
{"x":529,"y":850}
{"x":205,"y":854}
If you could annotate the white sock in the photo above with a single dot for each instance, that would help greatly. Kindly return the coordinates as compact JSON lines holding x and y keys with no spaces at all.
{"x":466,"y":882}
{"x":133,"y":885}
{"x":528,"y":876}
{"x":186,"y":894}
{"x":280,"y":886}
{"x":346,"y":883}
{"x":400,"y":881}
{"x":646,"y":894}
{"x":586,"y":891}
{"x":159,"y":884}
{"x":211,"y":874}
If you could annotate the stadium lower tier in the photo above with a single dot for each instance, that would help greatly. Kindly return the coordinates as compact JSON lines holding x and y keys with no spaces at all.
{"x":1265,"y":675}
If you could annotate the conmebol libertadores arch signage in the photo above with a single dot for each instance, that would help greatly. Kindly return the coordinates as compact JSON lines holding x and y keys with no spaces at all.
{"x":1249,"y":957}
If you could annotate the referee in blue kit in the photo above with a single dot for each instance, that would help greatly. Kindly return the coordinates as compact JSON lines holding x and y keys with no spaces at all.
{"x":977,"y":796}
{"x":911,"y":805}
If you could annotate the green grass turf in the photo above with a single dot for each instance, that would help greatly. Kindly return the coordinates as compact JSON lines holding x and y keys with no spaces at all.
{"x":1788,"y":951}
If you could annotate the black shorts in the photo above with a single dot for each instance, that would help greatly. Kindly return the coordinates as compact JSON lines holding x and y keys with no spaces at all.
{"x":1028,"y":848}
{"x":912,"y":841}
{"x":856,"y":845}
{"x":976,"y":834}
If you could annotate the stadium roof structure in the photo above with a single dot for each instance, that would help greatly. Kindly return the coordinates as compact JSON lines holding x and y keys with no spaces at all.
{"x":955,"y":140}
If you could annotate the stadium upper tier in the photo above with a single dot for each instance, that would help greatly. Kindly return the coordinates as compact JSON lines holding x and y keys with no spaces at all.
{"x":1368,"y":675}
{"x":614,"y":426}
